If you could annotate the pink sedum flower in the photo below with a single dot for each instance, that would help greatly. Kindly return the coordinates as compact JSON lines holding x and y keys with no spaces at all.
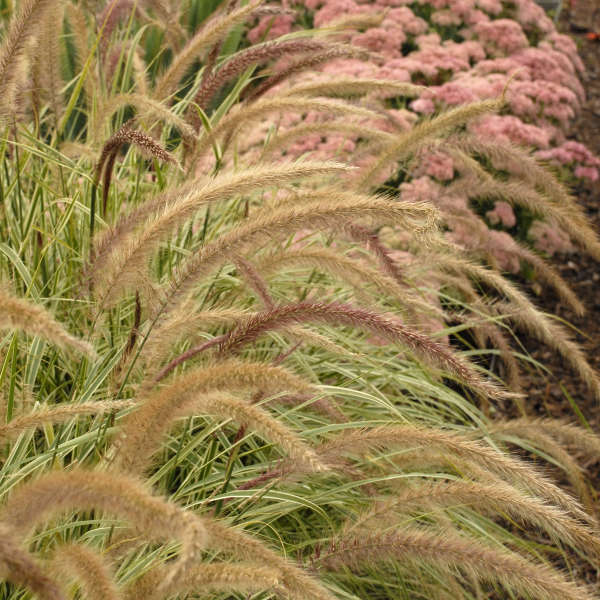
{"x":575,"y":154}
{"x":502,"y":213}
{"x":384,"y":41}
{"x":550,"y":239}
{"x":506,"y":128}
{"x":270,"y":27}
{"x":502,"y":247}
{"x":500,"y":40}
{"x":435,"y":164}
{"x":590,"y":173}
{"x":501,"y":37}
{"x":532,"y":16}
{"x":492,"y":7}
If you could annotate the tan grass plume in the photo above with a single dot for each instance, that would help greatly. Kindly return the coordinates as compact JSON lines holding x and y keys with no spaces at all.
{"x":202,"y":391}
{"x":449,"y":550}
{"x":329,"y":209}
{"x":19,"y":567}
{"x":89,"y":568}
{"x":38,"y":500}
{"x":18,"y":313}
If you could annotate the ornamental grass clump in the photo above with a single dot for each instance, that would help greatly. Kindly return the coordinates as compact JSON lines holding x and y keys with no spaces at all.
{"x":240,"y":372}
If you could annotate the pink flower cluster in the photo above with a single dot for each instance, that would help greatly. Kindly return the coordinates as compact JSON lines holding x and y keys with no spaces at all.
{"x":502,"y":213}
{"x":550,"y":239}
{"x":502,"y":37}
{"x":508,"y":128}
{"x":435,"y":164}
{"x":573,"y":153}
{"x":495,"y":48}
{"x":464,"y":51}
{"x":271,"y":27}
{"x":465,"y":228}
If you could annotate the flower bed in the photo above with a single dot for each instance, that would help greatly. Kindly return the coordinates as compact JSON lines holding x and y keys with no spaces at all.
{"x":463,"y":51}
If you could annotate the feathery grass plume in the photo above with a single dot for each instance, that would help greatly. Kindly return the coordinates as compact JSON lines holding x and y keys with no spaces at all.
{"x":113,"y":12}
{"x":409,"y":142}
{"x":282,"y":139}
{"x":152,"y":517}
{"x":354,"y":272}
{"x":390,"y":329}
{"x":133,"y":334}
{"x":449,"y":550}
{"x":331,"y":208}
{"x":496,"y":498}
{"x":257,"y":419}
{"x":551,"y":277}
{"x":143,"y":429}
{"x":463,"y":286}
{"x":567,"y":433}
{"x":245,"y":114}
{"x":210,"y":62}
{"x":553,"y":449}
{"x":324,"y":406}
{"x":551,"y":436}
{"x":186,"y":322}
{"x":92,"y":572}
{"x":371,"y":241}
{"x":80,"y":31}
{"x":111,"y":239}
{"x":121,"y":275}
{"x":59,"y":413}
{"x":511,"y":469}
{"x":254,"y":280}
{"x":24,"y":24}
{"x":422,"y":459}
{"x":242,"y":60}
{"x":305,"y":63}
{"x":142,"y":83}
{"x":356,"y":21}
{"x":512,"y":375}
{"x":480,"y":242}
{"x":245,"y":579}
{"x":523,"y":313}
{"x":18,"y":313}
{"x":286,"y":470}
{"x":433,"y":458}
{"x":477,"y":181}
{"x":295,"y":580}
{"x":260,"y":287}
{"x":146,"y":108}
{"x":349,"y":87}
{"x":19,"y":567}
{"x":271,"y":11}
{"x":45,"y":68}
{"x":213,"y":31}
{"x":126,"y":135}
{"x":519,"y":162}
{"x":298,"y":334}
{"x":168,"y":16}
{"x":486,"y":331}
